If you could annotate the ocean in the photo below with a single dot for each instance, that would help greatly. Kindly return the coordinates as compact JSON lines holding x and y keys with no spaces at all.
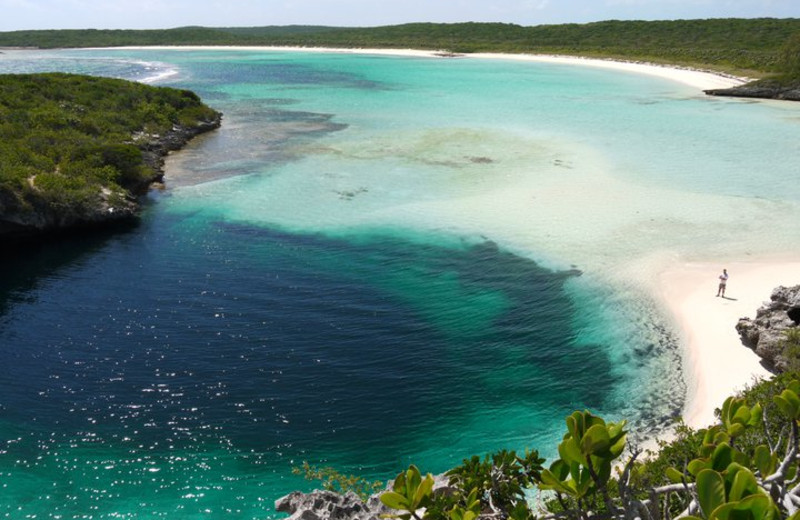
{"x":376,"y":261}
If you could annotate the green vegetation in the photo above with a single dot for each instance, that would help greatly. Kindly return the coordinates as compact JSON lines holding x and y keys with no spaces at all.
{"x":50,"y":39}
{"x":790,"y":56}
{"x":496,"y":484}
{"x":745,"y":467}
{"x":70,"y":144}
{"x":333,"y":480}
{"x":791,"y":347}
{"x":743,"y":46}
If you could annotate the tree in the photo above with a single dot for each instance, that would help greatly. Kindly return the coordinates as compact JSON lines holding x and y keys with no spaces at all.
{"x":790,"y":56}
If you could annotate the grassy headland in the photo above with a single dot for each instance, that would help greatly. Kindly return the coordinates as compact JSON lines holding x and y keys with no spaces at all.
{"x":75,"y":149}
{"x":68,"y":141}
{"x":750,"y":47}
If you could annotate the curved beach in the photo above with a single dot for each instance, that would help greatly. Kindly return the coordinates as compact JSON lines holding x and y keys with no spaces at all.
{"x":700,"y":79}
{"x":717,"y":364}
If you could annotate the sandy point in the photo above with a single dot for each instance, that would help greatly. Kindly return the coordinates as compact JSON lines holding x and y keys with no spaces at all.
{"x":717,"y":363}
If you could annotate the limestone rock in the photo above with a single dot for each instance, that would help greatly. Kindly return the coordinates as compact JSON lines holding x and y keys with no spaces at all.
{"x":328,"y":505}
{"x":766,"y":333}
{"x":156,"y":148}
{"x":760,"y":91}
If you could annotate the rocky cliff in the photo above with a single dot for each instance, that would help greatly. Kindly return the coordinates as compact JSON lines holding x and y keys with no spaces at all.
{"x":767,"y":333}
{"x":329,"y":505}
{"x":156,"y":148}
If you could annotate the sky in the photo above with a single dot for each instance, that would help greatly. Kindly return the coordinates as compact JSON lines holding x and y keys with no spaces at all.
{"x":160,"y":14}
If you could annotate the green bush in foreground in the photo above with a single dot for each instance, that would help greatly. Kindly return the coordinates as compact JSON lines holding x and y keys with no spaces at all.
{"x":333,"y":480}
{"x":791,"y":347}
{"x":745,"y":467}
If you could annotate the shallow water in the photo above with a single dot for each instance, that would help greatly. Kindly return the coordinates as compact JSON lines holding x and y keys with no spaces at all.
{"x":375,"y":261}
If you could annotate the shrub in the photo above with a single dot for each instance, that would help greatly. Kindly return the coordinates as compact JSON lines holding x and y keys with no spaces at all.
{"x":73,"y":134}
{"x":743,"y":467}
{"x":333,"y":480}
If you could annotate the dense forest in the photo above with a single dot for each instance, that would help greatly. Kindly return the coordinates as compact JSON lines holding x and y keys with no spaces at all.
{"x":71,"y":146}
{"x":751,"y":47}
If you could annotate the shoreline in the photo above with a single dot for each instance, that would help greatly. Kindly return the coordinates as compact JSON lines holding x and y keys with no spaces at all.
{"x":717,"y":363}
{"x":696,"y":78}
{"x":700,"y":79}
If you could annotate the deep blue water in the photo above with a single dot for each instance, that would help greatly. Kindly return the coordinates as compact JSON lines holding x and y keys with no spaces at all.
{"x":331,"y":278}
{"x":173,"y":346}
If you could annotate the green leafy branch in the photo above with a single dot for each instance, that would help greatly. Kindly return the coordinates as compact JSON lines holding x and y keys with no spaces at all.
{"x":333,"y":480}
{"x":743,"y":468}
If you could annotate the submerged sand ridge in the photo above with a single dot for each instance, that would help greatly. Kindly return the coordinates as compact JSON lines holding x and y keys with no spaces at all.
{"x":565,"y":204}
{"x":716,"y":364}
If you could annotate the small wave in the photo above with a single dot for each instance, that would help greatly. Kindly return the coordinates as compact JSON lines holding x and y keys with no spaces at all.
{"x":140,"y":70}
{"x":157,"y":71}
{"x":124,"y":68}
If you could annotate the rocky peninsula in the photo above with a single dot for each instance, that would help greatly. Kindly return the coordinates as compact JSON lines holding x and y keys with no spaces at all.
{"x":80,"y":151}
{"x":761,"y":90}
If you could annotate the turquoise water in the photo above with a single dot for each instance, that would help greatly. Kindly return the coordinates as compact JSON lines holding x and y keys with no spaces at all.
{"x":376,"y":261}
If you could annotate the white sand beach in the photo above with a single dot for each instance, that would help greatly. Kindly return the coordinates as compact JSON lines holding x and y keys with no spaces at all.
{"x":694,"y":78}
{"x":700,"y":79}
{"x":718,"y":363}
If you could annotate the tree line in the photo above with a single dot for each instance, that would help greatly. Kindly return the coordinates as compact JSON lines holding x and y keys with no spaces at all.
{"x":743,"y":46}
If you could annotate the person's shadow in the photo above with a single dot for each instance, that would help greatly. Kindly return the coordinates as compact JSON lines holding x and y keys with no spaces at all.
{"x":729,"y":298}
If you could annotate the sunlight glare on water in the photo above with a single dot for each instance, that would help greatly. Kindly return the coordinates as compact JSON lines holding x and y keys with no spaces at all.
{"x":375,"y":261}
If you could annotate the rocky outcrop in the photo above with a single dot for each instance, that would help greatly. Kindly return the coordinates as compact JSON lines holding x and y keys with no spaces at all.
{"x":156,"y":148}
{"x":328,"y":505}
{"x":761,"y":91}
{"x":766,"y":333}
{"x":32,"y":218}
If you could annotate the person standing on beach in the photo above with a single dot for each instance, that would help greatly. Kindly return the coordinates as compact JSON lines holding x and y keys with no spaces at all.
{"x":723,"y":281}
